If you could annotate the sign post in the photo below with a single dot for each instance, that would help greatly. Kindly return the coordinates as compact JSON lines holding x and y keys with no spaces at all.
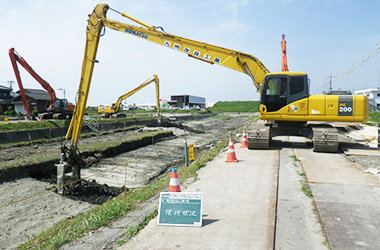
{"x":191,"y":152}
{"x":180,"y":209}
{"x":186,"y":159}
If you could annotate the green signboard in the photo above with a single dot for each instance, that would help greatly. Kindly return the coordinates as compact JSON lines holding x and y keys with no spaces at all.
{"x":180,"y":209}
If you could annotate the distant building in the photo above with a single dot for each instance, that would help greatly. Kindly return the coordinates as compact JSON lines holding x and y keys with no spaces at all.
{"x":37,"y":99}
{"x":373,"y":96}
{"x":5,"y":98}
{"x":187,"y":101}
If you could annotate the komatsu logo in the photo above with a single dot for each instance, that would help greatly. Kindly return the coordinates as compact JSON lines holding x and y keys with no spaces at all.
{"x":140,"y":34}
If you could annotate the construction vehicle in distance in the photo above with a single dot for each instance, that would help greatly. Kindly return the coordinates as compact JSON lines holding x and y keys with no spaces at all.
{"x":285,"y":104}
{"x":113,"y":111}
{"x":58,"y":108}
{"x":284,"y":55}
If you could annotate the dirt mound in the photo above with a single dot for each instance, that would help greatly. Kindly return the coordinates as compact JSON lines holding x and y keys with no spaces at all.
{"x":91,"y":192}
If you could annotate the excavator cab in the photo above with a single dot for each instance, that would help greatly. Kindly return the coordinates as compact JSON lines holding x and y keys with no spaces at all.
{"x":281,"y":89}
{"x":60,"y":105}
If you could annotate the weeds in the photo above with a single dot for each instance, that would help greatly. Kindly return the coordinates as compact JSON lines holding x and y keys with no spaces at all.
{"x":304,"y":185}
{"x":295,"y":159}
{"x":306,"y":189}
{"x":131,"y":231}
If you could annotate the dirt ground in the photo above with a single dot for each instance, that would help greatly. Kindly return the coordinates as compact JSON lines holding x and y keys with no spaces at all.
{"x":27,"y":207}
{"x":38,"y":209}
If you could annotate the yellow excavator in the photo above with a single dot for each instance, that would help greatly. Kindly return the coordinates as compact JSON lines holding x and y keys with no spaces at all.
{"x":286,"y":105}
{"x":115,"y":108}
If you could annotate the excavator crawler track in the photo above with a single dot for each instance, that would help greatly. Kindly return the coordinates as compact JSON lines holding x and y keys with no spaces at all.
{"x":258,"y":136}
{"x":325,"y":139}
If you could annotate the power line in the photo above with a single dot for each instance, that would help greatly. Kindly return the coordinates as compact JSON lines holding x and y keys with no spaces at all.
{"x":370,"y":54}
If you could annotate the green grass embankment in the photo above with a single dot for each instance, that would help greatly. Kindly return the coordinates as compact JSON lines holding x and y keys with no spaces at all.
{"x":374,"y":118}
{"x":49,"y":157}
{"x":219,"y":107}
{"x":46,"y":124}
{"x":235,"y":106}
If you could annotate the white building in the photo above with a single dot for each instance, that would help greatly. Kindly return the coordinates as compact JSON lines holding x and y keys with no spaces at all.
{"x":373,"y":96}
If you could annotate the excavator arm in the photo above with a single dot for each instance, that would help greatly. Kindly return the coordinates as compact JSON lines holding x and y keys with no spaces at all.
{"x":212,"y":54}
{"x":284,"y":55}
{"x":15,"y":57}
{"x":116,"y":106}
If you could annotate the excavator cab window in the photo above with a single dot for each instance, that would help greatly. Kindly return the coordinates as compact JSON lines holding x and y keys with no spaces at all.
{"x":280,"y":90}
{"x":60,"y":105}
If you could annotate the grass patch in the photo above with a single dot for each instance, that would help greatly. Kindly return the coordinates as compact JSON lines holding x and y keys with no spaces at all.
{"x":295,"y":160}
{"x":236,"y":106}
{"x":219,"y":107}
{"x":16,"y":126}
{"x":294,"y":157}
{"x":54,"y":154}
{"x":46,"y":124}
{"x":131,"y":231}
{"x":306,"y":189}
{"x":106,"y":145}
{"x":373,"y":118}
{"x":93,"y":111}
{"x":71,"y":229}
{"x":304,"y":185}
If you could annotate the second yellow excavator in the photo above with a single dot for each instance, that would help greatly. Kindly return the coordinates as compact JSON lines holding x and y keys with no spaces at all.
{"x":115,"y":108}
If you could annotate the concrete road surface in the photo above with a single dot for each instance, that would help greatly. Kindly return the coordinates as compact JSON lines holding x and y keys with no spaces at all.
{"x":347,"y":199}
{"x":239,"y":204}
{"x":239,"y":208}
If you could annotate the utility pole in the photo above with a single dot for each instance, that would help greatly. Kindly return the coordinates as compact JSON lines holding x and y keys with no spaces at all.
{"x":10,"y":84}
{"x":64,"y":93}
{"x":330,"y":83}
{"x":186,"y":152}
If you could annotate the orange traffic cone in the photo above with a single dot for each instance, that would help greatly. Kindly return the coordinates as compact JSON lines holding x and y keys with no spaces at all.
{"x":231,"y":157}
{"x":174,"y":182}
{"x":244,"y":143}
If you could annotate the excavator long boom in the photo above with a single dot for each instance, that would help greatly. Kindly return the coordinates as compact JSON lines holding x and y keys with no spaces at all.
{"x":284,"y":55}
{"x":15,"y":57}
{"x":212,"y":54}
{"x":116,"y":106}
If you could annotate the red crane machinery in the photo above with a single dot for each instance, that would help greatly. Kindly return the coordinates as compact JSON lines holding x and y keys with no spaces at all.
{"x":284,"y":55}
{"x":59,"y":108}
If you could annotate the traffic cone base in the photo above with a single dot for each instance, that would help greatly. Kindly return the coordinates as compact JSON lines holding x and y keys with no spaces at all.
{"x":231,"y":157}
{"x":174,"y":182}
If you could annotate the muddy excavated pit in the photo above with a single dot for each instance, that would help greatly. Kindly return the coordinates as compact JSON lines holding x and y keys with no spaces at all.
{"x":28,"y":207}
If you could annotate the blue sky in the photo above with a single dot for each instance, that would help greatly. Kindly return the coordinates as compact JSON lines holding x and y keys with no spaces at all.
{"x":323,"y":38}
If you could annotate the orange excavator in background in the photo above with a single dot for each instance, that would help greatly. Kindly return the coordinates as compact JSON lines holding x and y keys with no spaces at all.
{"x":284,"y":55}
{"x":59,"y":108}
